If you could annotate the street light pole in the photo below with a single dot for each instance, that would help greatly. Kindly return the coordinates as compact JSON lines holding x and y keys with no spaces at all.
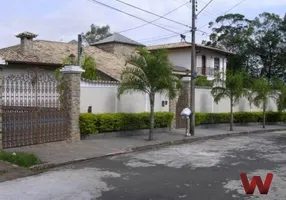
{"x":193,"y":69}
{"x":189,"y":103}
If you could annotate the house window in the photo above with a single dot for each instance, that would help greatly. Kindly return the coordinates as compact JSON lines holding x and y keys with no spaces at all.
{"x":216,"y":63}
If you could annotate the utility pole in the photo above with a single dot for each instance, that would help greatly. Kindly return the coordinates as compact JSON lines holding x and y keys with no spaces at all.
{"x":79,"y":49}
{"x":193,"y":69}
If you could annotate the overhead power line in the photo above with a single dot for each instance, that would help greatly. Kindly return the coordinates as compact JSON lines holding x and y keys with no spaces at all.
{"x":151,"y":38}
{"x":226,"y":11}
{"x":205,"y":7}
{"x":131,"y":15}
{"x":150,"y":22}
{"x":234,"y":6}
{"x":163,"y":38}
{"x":148,"y":40}
{"x":153,"y":13}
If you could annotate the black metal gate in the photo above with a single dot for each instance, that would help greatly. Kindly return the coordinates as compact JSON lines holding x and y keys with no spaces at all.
{"x":33,"y":110}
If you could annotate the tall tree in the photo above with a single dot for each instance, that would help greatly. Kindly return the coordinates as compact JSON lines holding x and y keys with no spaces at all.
{"x":97,"y":33}
{"x":231,"y":88}
{"x":232,"y":32}
{"x":151,"y":73}
{"x":269,"y":45}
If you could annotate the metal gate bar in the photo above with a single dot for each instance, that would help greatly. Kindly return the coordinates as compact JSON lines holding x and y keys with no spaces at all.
{"x":32,"y":109}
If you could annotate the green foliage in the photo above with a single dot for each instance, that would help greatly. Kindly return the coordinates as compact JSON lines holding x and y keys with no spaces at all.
{"x":269,"y":45}
{"x":151,"y":73}
{"x":259,"y":44}
{"x":19,"y":158}
{"x":239,"y":117}
{"x":88,"y":64}
{"x":203,"y":81}
{"x":232,"y":87}
{"x":97,"y":33}
{"x":232,"y":32}
{"x":110,"y":122}
{"x":263,"y":92}
{"x":281,"y":101}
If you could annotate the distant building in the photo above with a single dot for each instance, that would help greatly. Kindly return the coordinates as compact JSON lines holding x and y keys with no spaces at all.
{"x":117,"y":44}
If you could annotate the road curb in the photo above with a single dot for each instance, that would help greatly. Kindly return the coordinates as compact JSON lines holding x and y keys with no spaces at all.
{"x":45,"y":166}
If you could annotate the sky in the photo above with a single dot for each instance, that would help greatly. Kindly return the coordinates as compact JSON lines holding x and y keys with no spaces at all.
{"x":63,"y":20}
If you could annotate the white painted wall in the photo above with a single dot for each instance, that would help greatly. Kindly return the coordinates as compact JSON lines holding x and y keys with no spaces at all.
{"x":205,"y":104}
{"x":102,"y":96}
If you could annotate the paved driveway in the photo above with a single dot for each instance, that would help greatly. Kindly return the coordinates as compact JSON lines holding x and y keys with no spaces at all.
{"x":208,"y":170}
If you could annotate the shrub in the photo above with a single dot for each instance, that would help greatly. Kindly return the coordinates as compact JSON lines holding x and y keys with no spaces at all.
{"x":108,"y":122}
{"x":203,"y":81}
{"x":239,"y":117}
{"x":19,"y":158}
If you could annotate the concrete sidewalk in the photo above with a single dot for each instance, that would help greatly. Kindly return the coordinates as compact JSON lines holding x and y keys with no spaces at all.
{"x":9,"y":171}
{"x":60,"y":153}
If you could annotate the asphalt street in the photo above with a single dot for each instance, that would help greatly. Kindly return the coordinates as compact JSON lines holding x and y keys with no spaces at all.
{"x":206,"y":170}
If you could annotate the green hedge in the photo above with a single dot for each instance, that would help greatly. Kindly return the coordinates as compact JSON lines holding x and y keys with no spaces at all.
{"x":108,"y":122}
{"x":239,"y":117}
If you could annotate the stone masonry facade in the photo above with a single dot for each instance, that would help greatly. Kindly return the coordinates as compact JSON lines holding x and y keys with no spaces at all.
{"x":116,"y":48}
{"x":72,"y":102}
{"x":178,"y":104}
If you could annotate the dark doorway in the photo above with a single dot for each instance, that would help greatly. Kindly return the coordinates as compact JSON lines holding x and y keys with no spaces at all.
{"x":203,"y":65}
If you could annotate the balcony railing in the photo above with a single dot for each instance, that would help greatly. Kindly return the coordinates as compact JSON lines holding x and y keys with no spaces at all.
{"x":208,"y":71}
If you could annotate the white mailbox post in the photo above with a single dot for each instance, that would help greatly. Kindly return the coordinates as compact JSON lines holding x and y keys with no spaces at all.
{"x":185,"y":114}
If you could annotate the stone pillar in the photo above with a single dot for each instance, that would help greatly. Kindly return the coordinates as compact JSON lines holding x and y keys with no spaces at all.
{"x":71,"y":76}
{"x":173,"y":109}
{"x":180,"y":102}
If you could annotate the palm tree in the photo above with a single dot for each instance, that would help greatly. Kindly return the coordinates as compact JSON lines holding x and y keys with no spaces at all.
{"x":264,"y":90}
{"x":249,"y":94}
{"x":280,"y":86}
{"x":281,"y":101}
{"x":151,"y":73}
{"x":232,"y":88}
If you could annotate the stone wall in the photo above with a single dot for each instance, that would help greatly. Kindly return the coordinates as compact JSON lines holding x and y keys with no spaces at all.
{"x":109,"y":47}
{"x":118,"y":48}
{"x":181,"y":104}
{"x":124,"y":49}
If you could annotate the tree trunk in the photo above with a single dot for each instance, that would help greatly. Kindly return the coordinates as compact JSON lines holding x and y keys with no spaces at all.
{"x":264,"y":116}
{"x":231,"y":115}
{"x":152,"y":101}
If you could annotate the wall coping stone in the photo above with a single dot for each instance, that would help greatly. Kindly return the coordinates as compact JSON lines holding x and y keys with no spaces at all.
{"x":72,"y":69}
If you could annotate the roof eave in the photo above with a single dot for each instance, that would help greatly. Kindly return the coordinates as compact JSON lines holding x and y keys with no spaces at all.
{"x":183,"y":47}
{"x":116,"y":42}
{"x":32,"y":63}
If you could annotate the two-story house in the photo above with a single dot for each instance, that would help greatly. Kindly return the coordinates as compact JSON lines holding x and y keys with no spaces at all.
{"x":209,"y":60}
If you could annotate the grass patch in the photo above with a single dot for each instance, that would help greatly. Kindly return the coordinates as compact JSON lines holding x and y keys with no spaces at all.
{"x":19,"y":158}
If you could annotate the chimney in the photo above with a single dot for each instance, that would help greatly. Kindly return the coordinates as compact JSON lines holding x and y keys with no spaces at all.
{"x":26,"y":42}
